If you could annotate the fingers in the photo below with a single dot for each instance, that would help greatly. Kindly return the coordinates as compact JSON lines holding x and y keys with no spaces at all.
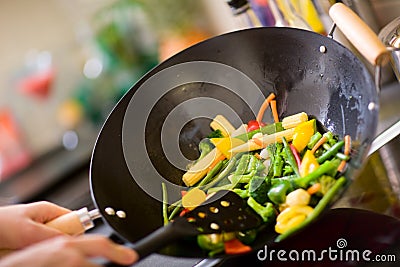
{"x":100,"y":246}
{"x":44,"y":211}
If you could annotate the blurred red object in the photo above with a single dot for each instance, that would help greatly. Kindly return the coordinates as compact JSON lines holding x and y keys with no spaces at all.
{"x":13,"y":154}
{"x":37,"y":84}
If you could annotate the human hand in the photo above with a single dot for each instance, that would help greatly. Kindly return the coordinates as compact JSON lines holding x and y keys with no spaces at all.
{"x":24,"y":224}
{"x":67,"y":251}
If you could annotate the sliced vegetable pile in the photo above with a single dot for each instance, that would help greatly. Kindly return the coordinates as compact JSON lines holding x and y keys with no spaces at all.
{"x":287,"y":171}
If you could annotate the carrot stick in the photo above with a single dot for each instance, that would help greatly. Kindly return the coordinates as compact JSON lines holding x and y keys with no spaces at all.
{"x":314,"y":188}
{"x":347,"y":148}
{"x":215,"y":162}
{"x":274,"y":111}
{"x":318,"y":144}
{"x":257,"y":141}
{"x":264,"y":107}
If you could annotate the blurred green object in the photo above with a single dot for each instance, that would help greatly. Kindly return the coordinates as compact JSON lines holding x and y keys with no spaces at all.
{"x":124,"y":35}
{"x":127,"y":48}
{"x":172,"y":15}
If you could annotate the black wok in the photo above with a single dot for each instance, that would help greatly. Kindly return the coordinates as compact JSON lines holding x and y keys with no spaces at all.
{"x":230,"y":75}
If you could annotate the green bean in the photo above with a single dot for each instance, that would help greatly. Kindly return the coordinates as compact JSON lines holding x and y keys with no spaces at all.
{"x":243,"y":163}
{"x":225,"y":172}
{"x":223,"y":187}
{"x":175,"y":210}
{"x":314,"y":139}
{"x":212,"y":173}
{"x":290,"y":157}
{"x":165,"y":203}
{"x":331,"y":152}
{"x":252,"y":164}
{"x":242,"y":178}
{"x":322,"y":204}
{"x":324,"y":168}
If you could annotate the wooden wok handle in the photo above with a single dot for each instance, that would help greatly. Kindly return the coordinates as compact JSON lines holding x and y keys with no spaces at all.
{"x":359,"y":34}
{"x":75,"y":222}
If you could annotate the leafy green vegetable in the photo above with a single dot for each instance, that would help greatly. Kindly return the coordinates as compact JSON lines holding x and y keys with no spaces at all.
{"x":258,"y":189}
{"x":215,"y":134}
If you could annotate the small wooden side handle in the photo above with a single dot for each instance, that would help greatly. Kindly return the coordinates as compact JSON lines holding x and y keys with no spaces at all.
{"x":359,"y":34}
{"x":75,"y":222}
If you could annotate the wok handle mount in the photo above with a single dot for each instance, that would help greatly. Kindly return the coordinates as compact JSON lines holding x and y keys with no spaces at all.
{"x":359,"y":34}
{"x":75,"y":222}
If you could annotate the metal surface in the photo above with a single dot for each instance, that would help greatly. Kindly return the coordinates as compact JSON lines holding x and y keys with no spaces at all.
{"x":390,"y":36}
{"x":334,"y":86}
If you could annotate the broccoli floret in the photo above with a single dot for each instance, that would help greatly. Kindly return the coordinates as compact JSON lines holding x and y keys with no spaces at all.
{"x":267,"y":213}
{"x":205,"y":146}
{"x":326,"y":183}
{"x":215,"y":134}
{"x":258,"y":189}
{"x":243,"y":193}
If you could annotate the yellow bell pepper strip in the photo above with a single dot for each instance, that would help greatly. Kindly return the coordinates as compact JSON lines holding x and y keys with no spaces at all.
{"x":308,"y":164}
{"x":302,"y":134}
{"x":291,"y":217}
{"x":322,"y":204}
{"x":225,"y":144}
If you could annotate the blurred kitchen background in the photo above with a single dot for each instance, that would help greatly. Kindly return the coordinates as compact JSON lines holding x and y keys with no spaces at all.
{"x":65,"y":64}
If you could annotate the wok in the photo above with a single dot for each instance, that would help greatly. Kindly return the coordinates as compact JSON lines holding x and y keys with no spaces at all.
{"x":154,"y":130}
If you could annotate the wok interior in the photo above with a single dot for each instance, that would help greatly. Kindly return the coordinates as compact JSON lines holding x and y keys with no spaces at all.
{"x":333,"y":87}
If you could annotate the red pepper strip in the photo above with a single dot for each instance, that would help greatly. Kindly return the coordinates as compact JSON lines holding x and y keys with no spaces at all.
{"x":183,"y":212}
{"x":254,"y":125}
{"x":234,"y":246}
{"x":295,"y":154}
{"x":183,"y":193}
